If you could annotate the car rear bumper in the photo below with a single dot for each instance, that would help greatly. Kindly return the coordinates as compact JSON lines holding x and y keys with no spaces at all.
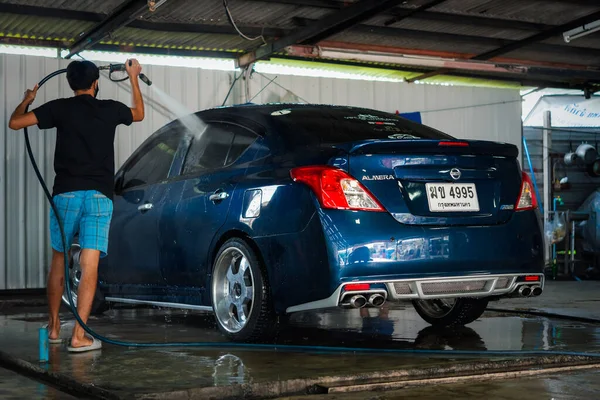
{"x":374,"y":246}
{"x":502,"y":285}
{"x":407,"y":262}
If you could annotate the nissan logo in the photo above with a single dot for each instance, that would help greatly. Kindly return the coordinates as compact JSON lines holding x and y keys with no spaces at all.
{"x":455,"y":173}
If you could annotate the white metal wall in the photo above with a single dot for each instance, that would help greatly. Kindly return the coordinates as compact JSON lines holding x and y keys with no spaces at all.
{"x":24,"y":242}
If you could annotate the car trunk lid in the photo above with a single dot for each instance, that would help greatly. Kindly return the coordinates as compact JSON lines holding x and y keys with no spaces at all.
{"x":439,"y":182}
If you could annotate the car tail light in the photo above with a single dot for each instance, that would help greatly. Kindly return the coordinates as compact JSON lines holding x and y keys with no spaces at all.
{"x":336,"y":189}
{"x":453,"y":144}
{"x":527,"y":199}
{"x":532,"y":278}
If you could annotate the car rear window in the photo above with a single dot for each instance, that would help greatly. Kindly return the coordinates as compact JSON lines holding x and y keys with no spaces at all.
{"x":331,"y":125}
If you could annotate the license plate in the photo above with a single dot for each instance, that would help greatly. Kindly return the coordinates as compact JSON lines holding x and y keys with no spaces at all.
{"x":452,"y":197}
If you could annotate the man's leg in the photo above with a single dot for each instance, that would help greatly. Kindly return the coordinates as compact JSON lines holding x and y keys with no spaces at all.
{"x":85,"y":294}
{"x":69,"y":209}
{"x":93,"y":236}
{"x":55,"y":289}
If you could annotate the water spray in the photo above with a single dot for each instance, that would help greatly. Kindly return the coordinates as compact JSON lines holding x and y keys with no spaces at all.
{"x":264,"y":346}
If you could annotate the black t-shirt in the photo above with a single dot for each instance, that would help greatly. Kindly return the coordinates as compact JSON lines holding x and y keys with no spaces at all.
{"x":84,"y":155}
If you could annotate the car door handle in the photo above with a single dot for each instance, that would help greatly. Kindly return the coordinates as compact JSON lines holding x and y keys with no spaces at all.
{"x":218,"y":196}
{"x":145,"y":207}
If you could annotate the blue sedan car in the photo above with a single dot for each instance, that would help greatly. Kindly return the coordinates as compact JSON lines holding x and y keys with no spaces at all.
{"x":254,"y":212}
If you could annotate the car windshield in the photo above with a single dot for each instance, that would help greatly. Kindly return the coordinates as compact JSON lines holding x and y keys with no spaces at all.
{"x":334,"y":125}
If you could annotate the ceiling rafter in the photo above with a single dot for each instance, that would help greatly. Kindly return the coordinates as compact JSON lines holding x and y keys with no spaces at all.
{"x":120,"y":17}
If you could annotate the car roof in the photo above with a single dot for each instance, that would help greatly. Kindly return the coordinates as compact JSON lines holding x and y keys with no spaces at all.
{"x":265,"y":114}
{"x":268,"y":108}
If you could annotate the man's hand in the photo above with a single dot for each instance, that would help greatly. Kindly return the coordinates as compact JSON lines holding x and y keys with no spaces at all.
{"x":134,"y":69}
{"x":30,"y":95}
{"x":19,"y":118}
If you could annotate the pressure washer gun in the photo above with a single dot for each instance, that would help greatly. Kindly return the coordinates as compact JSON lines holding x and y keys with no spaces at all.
{"x":112,"y":68}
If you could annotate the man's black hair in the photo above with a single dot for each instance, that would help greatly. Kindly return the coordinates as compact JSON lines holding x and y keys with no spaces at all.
{"x":81,"y":74}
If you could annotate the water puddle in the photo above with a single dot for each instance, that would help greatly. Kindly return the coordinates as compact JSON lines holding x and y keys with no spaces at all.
{"x":144,"y":369}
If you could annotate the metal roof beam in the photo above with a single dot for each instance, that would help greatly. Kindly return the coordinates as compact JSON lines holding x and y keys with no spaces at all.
{"x":21,"y":9}
{"x":323,"y":28}
{"x":120,"y":17}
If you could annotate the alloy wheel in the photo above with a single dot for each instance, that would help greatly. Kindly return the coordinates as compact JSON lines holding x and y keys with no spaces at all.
{"x":74,"y":275}
{"x":233,"y":290}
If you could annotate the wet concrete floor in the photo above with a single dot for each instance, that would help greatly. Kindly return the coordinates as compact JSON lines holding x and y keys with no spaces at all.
{"x":128,"y":371}
{"x":577,"y":386}
{"x":16,"y":387}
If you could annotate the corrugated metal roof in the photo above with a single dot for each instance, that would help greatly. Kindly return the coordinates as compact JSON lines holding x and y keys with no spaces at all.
{"x":549,"y":12}
{"x":451,"y":27}
{"x":281,"y":16}
{"x":103,"y":6}
{"x":441,"y":30}
{"x":244,"y":13}
{"x":186,"y":41}
{"x":565,"y":57}
{"x":33,"y":27}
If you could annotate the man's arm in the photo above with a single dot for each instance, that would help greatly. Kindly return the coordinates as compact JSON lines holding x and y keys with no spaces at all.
{"x":21,"y":119}
{"x":138,"y":103}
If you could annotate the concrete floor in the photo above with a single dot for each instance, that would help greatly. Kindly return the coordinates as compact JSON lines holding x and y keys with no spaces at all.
{"x":130,"y":372}
{"x":579,"y":299}
{"x":582,"y":386}
{"x":17,"y":387}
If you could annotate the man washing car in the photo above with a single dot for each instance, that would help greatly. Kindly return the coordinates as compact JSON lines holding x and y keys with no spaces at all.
{"x":84,"y":182}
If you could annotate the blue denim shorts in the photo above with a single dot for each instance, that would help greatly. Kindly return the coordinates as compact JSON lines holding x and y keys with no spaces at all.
{"x":87,"y":213}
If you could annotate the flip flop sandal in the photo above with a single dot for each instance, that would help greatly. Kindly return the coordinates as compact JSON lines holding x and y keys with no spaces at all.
{"x":53,"y":341}
{"x":96,"y":345}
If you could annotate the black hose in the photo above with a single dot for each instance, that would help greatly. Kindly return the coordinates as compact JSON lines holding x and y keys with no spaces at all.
{"x":328,"y":349}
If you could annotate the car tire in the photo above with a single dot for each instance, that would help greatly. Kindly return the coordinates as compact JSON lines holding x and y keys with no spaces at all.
{"x":99,"y":305}
{"x":450,"y":312}
{"x":241,"y":317}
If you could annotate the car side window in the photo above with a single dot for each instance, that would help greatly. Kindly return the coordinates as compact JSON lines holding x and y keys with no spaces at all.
{"x":154,"y":163}
{"x":242,"y":140}
{"x":220,"y":145}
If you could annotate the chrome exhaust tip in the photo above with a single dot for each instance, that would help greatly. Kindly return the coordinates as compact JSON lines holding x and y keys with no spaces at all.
{"x":536,"y":291}
{"x":525,"y":291}
{"x":376,"y":300}
{"x":358,"y":301}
